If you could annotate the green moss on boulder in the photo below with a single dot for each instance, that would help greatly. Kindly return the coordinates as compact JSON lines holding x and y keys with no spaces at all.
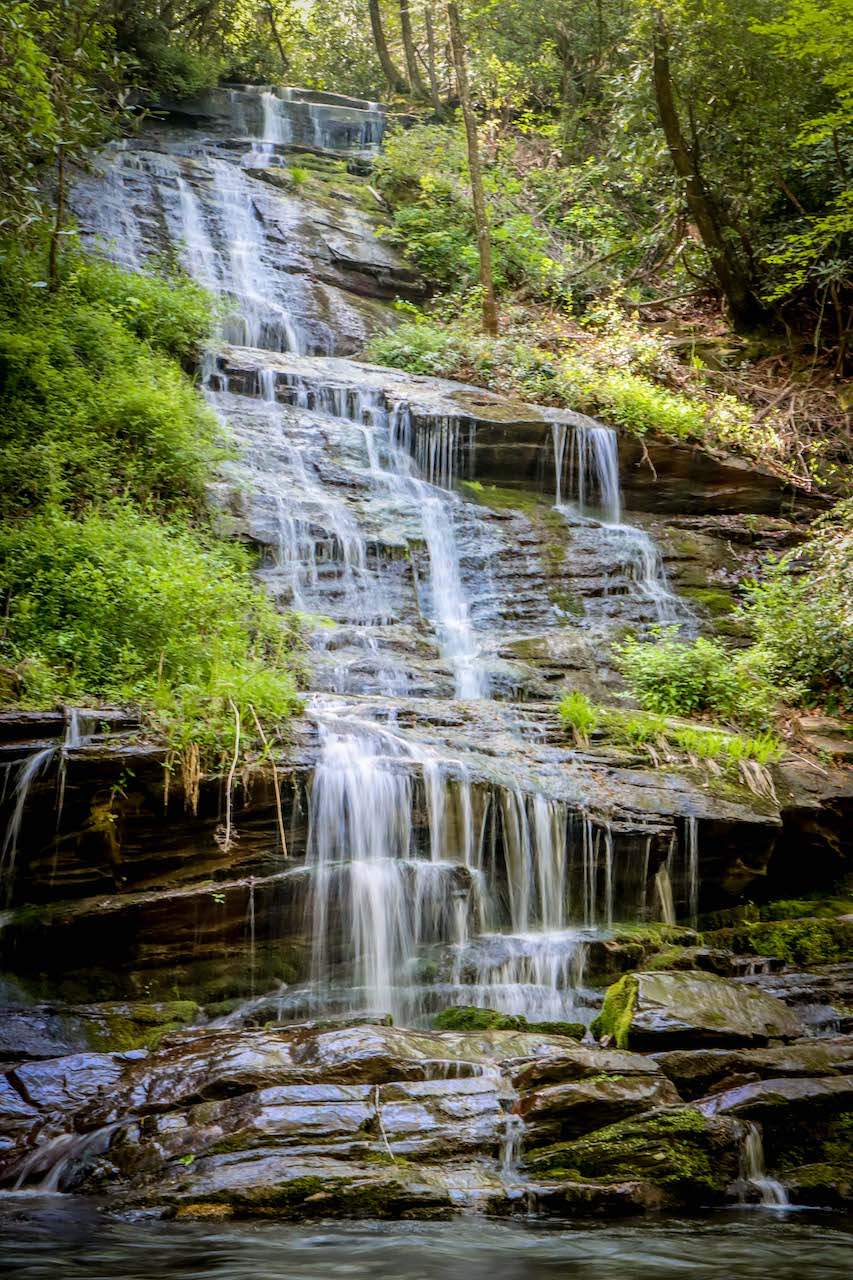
{"x":474,"y":1018}
{"x":691,"y":1156}
{"x":617,"y":1011}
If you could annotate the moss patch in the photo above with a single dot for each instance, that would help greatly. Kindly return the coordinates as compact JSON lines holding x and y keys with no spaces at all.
{"x":804,"y":941}
{"x":121,"y":1027}
{"x":474,"y":1018}
{"x":678,"y":1149}
{"x":617,"y":1011}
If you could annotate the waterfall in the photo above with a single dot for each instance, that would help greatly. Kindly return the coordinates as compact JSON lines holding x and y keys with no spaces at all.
{"x":682,"y":866}
{"x":511,"y":1145}
{"x":586,"y":463}
{"x":436,"y":871}
{"x":27,"y":774}
{"x":753,"y":1173}
{"x":663,"y":886}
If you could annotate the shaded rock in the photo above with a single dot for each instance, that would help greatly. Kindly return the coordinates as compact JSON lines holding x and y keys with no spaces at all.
{"x":563,"y":1111}
{"x":646,"y":1011}
{"x":565,"y":1063}
{"x":699,"y":1071}
{"x":595,"y":1199}
{"x":773,"y":1101}
{"x":691,"y":1158}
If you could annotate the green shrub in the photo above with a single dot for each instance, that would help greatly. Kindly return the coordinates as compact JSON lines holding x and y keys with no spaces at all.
{"x":120,"y":606}
{"x":578,"y":713}
{"x":93,"y":406}
{"x":685,"y":678}
{"x":803,"y":621}
{"x":423,"y":171}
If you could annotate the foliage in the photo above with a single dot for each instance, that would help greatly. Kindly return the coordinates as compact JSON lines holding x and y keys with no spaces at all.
{"x":112,"y":586}
{"x":578,"y":714}
{"x":803,"y":621}
{"x":424,"y":172}
{"x":684,"y":678}
{"x":92,"y":403}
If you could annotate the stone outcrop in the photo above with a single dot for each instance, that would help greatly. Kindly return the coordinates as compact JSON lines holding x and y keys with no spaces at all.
{"x":648,"y":1011}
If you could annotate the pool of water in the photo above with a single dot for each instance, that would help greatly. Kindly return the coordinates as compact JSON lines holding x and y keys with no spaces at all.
{"x":69,"y":1239}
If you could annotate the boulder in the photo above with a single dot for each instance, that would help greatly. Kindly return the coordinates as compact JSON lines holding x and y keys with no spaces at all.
{"x":775,"y":1102}
{"x":563,"y":1111}
{"x":700,"y":1071}
{"x":690,"y":1157}
{"x":647,"y":1011}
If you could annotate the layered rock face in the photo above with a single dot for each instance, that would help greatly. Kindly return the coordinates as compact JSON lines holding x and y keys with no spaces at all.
{"x":458,"y":559}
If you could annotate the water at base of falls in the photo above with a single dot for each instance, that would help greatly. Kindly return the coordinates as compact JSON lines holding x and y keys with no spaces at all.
{"x":47,"y":1239}
{"x":754,"y":1180}
{"x":427,"y":881}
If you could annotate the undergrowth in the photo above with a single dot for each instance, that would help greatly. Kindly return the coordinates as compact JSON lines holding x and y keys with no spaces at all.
{"x":115,"y":586}
{"x":743,"y":756}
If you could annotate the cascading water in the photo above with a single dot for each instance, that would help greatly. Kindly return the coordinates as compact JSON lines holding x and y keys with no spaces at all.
{"x":754,"y":1180}
{"x":586,"y":462}
{"x":424,"y":887}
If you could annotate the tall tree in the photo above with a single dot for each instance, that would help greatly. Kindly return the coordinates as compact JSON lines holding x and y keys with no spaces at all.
{"x":731,"y":271}
{"x":395,"y":78}
{"x":415,"y":77}
{"x":431,"y":57}
{"x":478,"y":197}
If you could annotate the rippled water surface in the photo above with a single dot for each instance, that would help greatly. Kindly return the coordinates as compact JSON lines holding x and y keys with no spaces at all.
{"x":61,"y":1238}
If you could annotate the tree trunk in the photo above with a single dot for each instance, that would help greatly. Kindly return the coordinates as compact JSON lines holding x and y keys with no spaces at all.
{"x":285,"y":60}
{"x":415,"y":78}
{"x":395,"y":78}
{"x":431,"y":63}
{"x":745,"y":308}
{"x":481,"y":217}
{"x":58,"y":221}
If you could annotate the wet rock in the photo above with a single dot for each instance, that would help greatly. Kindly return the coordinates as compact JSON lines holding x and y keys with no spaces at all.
{"x":648,"y":1011}
{"x":696,"y":1072}
{"x":17,"y":1116}
{"x":689,"y":1157}
{"x":46,"y":1032}
{"x":563,"y":1111}
{"x":594,"y":1199}
{"x":65,"y":1084}
{"x":777,"y":1102}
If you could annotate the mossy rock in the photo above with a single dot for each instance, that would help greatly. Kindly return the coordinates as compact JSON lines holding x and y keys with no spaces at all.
{"x":661,"y":1010}
{"x":805,"y":941}
{"x":474,"y":1018}
{"x":691,"y":1156}
{"x":113,"y":1028}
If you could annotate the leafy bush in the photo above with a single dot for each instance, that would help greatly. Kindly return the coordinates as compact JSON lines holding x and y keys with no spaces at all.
{"x":93,"y":405}
{"x":108,"y":588}
{"x":120,"y":606}
{"x":803,"y":621}
{"x":681,"y":678}
{"x":424,"y":174}
{"x":578,"y":713}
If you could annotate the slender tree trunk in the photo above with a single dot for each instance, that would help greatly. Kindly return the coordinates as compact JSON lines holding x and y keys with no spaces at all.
{"x":395,"y":78}
{"x":415,"y":77}
{"x":481,"y":217}
{"x":285,"y":60}
{"x":744,"y":306}
{"x":59,"y":219}
{"x":431,"y":63}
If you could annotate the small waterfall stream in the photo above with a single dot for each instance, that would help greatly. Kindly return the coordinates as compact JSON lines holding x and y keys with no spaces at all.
{"x":422,"y":856}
